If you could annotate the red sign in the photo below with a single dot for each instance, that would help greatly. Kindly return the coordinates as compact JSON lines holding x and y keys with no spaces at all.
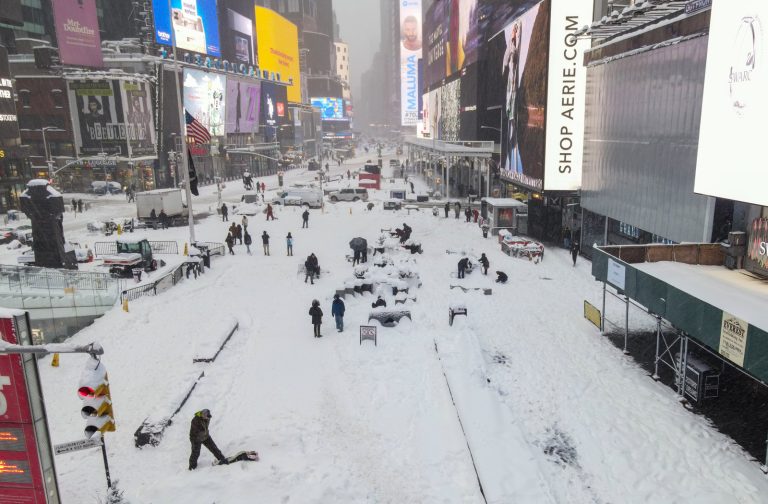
{"x":280,"y":109}
{"x":21,"y":474}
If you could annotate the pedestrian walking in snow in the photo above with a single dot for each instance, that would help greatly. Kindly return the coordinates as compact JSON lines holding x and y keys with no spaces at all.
{"x":230,"y":241}
{"x":239,"y":233}
{"x":305,"y":219}
{"x":501,"y":277}
{"x":224,"y":212}
{"x":475,"y":215}
{"x":244,"y":222}
{"x":79,"y":206}
{"x":233,"y":230}
{"x":364,"y":253}
{"x":317,"y":317}
{"x":574,"y":251}
{"x":163,"y":218}
{"x":270,"y":215}
{"x":468,"y":214}
{"x":337,"y":312}
{"x":463,"y":265}
{"x":349,"y":173}
{"x":309,"y":270}
{"x":265,"y":241}
{"x":485,"y":263}
{"x":457,"y":209}
{"x":356,"y":258}
{"x":248,"y":240}
{"x":447,"y":209}
{"x":74,"y":205}
{"x":289,"y":244}
{"x":263,"y":187}
{"x":199,"y":436}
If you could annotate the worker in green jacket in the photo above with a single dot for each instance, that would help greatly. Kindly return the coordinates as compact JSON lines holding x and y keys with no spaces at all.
{"x":198,"y":435}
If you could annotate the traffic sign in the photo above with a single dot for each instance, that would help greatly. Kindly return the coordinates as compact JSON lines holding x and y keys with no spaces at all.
{"x":82,"y":444}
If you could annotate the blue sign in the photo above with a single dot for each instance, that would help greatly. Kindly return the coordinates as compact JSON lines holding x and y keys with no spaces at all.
{"x":195,"y":25}
{"x":331,"y":109}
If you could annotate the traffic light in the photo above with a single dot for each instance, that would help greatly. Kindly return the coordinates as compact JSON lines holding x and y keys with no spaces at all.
{"x":97,"y":403}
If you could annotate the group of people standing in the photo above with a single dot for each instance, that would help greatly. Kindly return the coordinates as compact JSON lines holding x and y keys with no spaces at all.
{"x":239,"y":233}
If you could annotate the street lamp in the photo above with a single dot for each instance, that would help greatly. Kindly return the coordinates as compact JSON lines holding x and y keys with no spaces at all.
{"x":48,"y":160}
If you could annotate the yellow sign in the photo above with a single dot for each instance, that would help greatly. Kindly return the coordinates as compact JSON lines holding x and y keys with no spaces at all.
{"x":2,"y":153}
{"x":733,"y":338}
{"x":592,"y":314}
{"x":278,"y":48}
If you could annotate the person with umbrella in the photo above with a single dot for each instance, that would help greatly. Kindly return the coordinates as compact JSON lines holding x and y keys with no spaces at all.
{"x":360,"y":248}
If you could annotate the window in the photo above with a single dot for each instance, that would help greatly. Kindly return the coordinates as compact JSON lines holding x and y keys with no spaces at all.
{"x":58,"y":98}
{"x":25,"y":98}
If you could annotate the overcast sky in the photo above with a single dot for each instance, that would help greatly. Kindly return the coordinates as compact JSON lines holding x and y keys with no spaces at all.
{"x":359,"y":27}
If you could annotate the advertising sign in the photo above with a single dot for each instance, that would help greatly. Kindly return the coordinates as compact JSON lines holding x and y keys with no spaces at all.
{"x":195,"y":25}
{"x":204,"y":98}
{"x":566,"y":96}
{"x":243,"y":105}
{"x":140,"y":126}
{"x":27,"y":473}
{"x":9,"y":125}
{"x":735,"y":104}
{"x":410,"y":53}
{"x":97,"y":117}
{"x":757,"y":250}
{"x":238,"y":43}
{"x":273,"y":103}
{"x":733,"y":338}
{"x":277,"y":42}
{"x":77,"y":32}
{"x":518,"y":81}
{"x":331,"y":109}
{"x":436,"y":41}
{"x":617,"y":274}
{"x":450,"y":111}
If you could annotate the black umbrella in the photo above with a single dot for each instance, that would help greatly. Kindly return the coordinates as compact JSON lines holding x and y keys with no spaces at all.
{"x":358,"y":244}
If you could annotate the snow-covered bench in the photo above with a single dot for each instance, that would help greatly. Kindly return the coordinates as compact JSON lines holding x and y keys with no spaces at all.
{"x":388,"y":318}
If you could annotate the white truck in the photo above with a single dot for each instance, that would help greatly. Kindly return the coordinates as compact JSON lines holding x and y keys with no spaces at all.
{"x":167,"y":200}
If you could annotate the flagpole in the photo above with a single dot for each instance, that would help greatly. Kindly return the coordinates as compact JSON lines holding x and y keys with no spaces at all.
{"x":182,"y":128}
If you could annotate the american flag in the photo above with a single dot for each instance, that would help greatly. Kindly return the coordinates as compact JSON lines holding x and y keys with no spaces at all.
{"x":197,"y":131}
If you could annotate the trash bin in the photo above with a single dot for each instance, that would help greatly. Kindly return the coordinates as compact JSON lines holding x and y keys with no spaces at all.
{"x":137,"y":274}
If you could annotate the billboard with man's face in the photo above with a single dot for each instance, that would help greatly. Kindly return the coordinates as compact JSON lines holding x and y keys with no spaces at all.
{"x":410,"y":54}
{"x":277,"y":41}
{"x":195,"y":25}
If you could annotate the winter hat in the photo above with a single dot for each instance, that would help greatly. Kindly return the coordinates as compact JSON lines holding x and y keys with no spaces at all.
{"x":206,"y":413}
{"x":289,"y":235}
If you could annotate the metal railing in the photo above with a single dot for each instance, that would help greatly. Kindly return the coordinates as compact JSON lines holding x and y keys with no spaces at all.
{"x":48,"y":278}
{"x":158,"y":247}
{"x":214,"y":247}
{"x":152,"y":289}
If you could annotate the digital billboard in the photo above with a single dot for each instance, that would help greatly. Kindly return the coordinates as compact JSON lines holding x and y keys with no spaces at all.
{"x":195,"y":25}
{"x":77,"y":32}
{"x":273,"y":104}
{"x":436,"y":41}
{"x":516,"y":80}
{"x":450,"y":111}
{"x":331,"y":109}
{"x":9,"y":125}
{"x":238,"y":43}
{"x":410,"y":54}
{"x":204,"y":98}
{"x":277,"y":42}
{"x":243,"y":105}
{"x":566,"y":95}
{"x":113,"y":117}
{"x":734,"y":105}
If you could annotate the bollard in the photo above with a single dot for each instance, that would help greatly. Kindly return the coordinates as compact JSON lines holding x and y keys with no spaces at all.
{"x":125,"y":305}
{"x":186,"y":249}
{"x":55,"y":361}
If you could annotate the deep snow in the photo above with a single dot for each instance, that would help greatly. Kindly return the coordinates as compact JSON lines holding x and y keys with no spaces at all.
{"x":551,"y":410}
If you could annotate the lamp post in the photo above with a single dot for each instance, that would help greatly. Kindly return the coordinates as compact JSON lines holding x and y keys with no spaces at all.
{"x":48,"y":160}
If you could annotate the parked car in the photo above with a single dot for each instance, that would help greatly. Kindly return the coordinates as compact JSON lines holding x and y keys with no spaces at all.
{"x":349,"y":195}
{"x":101,"y":187}
{"x":299,"y":196}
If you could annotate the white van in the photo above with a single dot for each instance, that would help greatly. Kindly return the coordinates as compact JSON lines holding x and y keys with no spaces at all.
{"x":311,"y":197}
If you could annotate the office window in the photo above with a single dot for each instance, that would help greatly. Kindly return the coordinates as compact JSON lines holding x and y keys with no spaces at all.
{"x":25,"y":98}
{"x":58,"y":98}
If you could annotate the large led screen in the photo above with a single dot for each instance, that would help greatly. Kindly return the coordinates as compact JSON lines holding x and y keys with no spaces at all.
{"x":204,"y":98}
{"x":410,"y":54}
{"x":195,"y":25}
{"x":277,"y":41}
{"x":238,"y":41}
{"x":273,"y":104}
{"x":735,"y":104}
{"x":331,"y":109}
{"x":242,"y":105}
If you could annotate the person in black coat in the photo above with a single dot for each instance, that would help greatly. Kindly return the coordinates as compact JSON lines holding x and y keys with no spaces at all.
{"x":574,"y":251}
{"x":199,"y":436}
{"x":501,"y":277}
{"x":248,"y":240}
{"x":163,"y":218}
{"x":265,"y":241}
{"x":379,"y":302}
{"x":447,"y":209}
{"x":463,"y":265}
{"x":356,"y":258}
{"x":305,"y":219}
{"x":224,"y":212}
{"x":317,"y":317}
{"x":484,"y":261}
{"x":230,"y":241}
{"x":468,"y":214}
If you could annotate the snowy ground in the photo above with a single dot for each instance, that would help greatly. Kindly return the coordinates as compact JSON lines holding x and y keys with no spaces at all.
{"x":551,"y":411}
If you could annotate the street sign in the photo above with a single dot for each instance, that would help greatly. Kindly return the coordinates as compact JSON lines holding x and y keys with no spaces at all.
{"x":368,"y":333}
{"x":82,"y":444}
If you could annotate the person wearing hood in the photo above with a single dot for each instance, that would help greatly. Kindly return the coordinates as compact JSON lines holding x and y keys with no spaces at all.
{"x":248,"y":240}
{"x":337,"y":312}
{"x":501,"y":277}
{"x":265,"y":242}
{"x":317,"y":317}
{"x":484,"y":262}
{"x":199,"y":436}
{"x":289,"y":244}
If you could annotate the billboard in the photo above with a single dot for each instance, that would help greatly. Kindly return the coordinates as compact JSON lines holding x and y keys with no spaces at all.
{"x":436,"y":41}
{"x":9,"y":124}
{"x":242,"y":106}
{"x":516,"y":81}
{"x":734,"y":104}
{"x":273,"y":104}
{"x":77,"y":32}
{"x":410,"y":54}
{"x":204,"y":98}
{"x":331,"y":109}
{"x":238,"y":42}
{"x":195,"y":25}
{"x":139,"y":121}
{"x":277,"y":42}
{"x":450,"y":111}
{"x":566,"y":95}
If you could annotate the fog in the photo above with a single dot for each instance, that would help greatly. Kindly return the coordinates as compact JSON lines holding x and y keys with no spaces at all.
{"x":360,"y":27}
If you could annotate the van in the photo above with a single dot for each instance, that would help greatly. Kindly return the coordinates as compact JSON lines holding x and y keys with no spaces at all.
{"x":311,"y":197}
{"x":348,"y":195}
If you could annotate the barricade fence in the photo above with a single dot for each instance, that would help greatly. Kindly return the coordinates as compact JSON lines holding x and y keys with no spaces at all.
{"x":158,"y":247}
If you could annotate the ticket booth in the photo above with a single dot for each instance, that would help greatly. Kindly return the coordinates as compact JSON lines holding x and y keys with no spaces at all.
{"x":505,"y":213}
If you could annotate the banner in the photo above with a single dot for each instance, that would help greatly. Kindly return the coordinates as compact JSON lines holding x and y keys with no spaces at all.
{"x":77,"y":32}
{"x":97,"y":117}
{"x":195,"y":25}
{"x":566,"y":96}
{"x":243,"y":106}
{"x":410,"y":54}
{"x":204,"y":98}
{"x":140,"y":126}
{"x":277,"y":42}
